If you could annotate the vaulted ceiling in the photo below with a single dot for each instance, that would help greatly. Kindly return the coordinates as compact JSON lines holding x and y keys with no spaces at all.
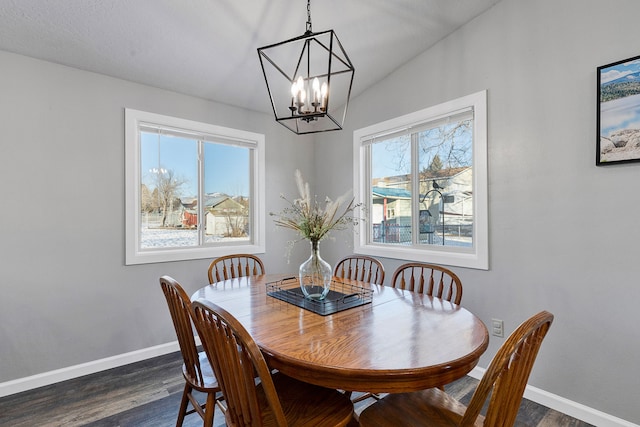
{"x":207,"y":48}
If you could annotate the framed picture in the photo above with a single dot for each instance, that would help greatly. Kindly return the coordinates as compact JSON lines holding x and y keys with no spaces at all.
{"x":618,"y":112}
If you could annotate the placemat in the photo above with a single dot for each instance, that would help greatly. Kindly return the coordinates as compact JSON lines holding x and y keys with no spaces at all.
{"x":341,"y":296}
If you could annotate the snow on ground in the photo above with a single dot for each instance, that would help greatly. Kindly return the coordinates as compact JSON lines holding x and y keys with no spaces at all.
{"x":165,"y":237}
{"x":185,"y":237}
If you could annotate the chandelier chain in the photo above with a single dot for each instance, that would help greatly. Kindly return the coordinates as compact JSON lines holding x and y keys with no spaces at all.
{"x":309,"y":16}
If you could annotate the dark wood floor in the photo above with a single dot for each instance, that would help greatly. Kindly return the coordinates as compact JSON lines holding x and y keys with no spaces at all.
{"x":148,"y":394}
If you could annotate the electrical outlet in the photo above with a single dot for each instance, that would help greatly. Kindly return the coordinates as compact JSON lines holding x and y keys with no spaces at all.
{"x":497,"y":328}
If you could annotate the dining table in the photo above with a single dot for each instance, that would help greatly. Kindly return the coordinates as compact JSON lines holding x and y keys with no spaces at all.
{"x":387,"y":340}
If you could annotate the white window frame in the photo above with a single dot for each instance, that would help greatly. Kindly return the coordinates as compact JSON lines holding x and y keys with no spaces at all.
{"x":475,"y":257}
{"x":134,"y":119}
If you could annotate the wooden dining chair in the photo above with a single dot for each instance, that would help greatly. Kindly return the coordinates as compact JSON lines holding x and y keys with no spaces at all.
{"x":365,"y":269}
{"x":236,"y":265}
{"x":274,"y":400}
{"x":504,"y":381}
{"x":197,"y":371}
{"x":431,"y":279}
{"x":360,"y":267}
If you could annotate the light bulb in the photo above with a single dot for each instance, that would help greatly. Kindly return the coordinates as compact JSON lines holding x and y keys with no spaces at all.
{"x":316,"y":92}
{"x":323,"y":96}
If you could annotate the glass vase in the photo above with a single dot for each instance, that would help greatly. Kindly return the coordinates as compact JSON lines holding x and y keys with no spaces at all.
{"x":315,"y":275}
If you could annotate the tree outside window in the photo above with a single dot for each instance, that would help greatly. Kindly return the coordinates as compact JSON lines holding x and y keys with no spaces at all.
{"x":424,"y":179}
{"x":193,"y":190}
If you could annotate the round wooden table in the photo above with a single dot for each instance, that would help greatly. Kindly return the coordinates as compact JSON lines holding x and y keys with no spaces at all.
{"x":400,"y":341}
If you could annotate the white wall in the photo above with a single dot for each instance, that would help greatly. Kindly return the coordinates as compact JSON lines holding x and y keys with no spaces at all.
{"x":66,"y":296}
{"x":564,"y":234}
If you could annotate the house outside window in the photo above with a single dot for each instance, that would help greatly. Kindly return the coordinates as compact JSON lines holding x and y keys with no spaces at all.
{"x":423,"y":180}
{"x":194,"y":190}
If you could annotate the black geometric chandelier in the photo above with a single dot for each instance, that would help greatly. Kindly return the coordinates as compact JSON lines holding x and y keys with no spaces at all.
{"x":309,"y":80}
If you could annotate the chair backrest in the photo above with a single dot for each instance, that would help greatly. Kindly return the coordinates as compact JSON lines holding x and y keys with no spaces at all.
{"x":430,"y":279}
{"x":360,"y":267}
{"x":236,"y":265}
{"x":508,"y":373}
{"x":179,"y":307}
{"x":236,"y":360}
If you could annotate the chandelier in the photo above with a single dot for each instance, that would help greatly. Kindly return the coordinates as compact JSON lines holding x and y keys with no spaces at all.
{"x":309,"y":80}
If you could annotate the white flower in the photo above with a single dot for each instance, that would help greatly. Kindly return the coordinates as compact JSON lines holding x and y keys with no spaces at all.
{"x":309,"y":219}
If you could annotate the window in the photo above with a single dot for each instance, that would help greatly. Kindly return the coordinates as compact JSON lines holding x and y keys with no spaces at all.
{"x":423,"y":180}
{"x":193,"y":190}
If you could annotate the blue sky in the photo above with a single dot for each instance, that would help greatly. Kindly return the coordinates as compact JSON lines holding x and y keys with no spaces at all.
{"x":624,"y":112}
{"x":617,"y":71}
{"x":226,"y":167}
{"x":393,"y":156}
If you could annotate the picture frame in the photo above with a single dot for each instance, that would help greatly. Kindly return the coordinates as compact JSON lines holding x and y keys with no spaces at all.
{"x":618,"y":112}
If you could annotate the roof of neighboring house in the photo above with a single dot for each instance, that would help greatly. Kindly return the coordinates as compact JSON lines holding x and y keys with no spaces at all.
{"x":391,"y":192}
{"x":443,"y":173}
{"x":189,"y":202}
{"x":424,"y":175}
{"x":210,"y":201}
{"x":213,"y":201}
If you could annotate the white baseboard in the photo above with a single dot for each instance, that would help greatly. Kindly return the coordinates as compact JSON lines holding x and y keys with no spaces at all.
{"x":550,"y":400}
{"x":566,"y":406}
{"x":58,"y":375}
